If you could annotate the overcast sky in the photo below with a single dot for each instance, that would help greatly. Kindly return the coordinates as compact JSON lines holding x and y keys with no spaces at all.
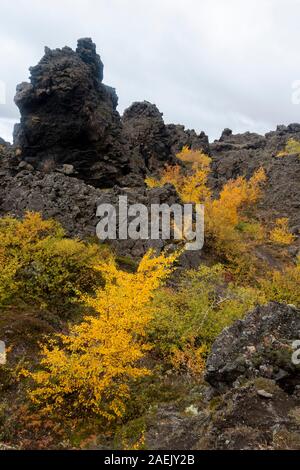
{"x":207,"y":64}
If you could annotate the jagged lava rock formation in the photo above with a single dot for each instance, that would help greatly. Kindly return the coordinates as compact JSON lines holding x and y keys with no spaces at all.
{"x":68,"y":116}
{"x":242,"y":154}
{"x":251,"y":361}
{"x":152,"y":143}
{"x":73,"y":150}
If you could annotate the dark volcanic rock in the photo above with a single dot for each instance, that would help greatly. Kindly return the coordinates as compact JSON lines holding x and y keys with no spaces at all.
{"x":259,"y":345}
{"x":8,"y":159}
{"x":180,"y":137}
{"x":173,"y":430}
{"x":68,"y":200}
{"x":256,"y":416}
{"x":253,"y":400}
{"x":146,"y":133}
{"x":243,"y":154}
{"x":69,"y":116}
{"x":257,"y":386}
{"x":152,"y":143}
{"x":73,"y":203}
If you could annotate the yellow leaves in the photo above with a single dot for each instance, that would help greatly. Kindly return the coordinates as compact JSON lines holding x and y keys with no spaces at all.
{"x":40,"y":266}
{"x":33,"y":228}
{"x":190,"y":184}
{"x":194,"y":188}
{"x":197,"y":158}
{"x":237,"y":195}
{"x":130,"y":292}
{"x":8,"y":281}
{"x":152,"y":182}
{"x":189,"y":318}
{"x":283,"y":286}
{"x":229,"y":228}
{"x":281,"y":234}
{"x":292,"y":147}
{"x":225,"y":215}
{"x":89,"y":369}
{"x":190,"y":180}
{"x":173,"y":174}
{"x":254,"y":186}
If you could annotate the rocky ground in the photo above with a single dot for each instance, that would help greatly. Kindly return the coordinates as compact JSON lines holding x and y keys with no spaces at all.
{"x":251,"y":395}
{"x":242,"y":154}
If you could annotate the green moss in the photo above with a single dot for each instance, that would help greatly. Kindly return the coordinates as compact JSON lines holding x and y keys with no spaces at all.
{"x":131,"y":435}
{"x":151,"y":391}
{"x":268,"y":385}
{"x":215,"y":403}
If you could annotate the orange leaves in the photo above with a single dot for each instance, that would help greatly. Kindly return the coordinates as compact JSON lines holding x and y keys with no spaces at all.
{"x":225,"y":215}
{"x":190,"y":358}
{"x":230,"y":230}
{"x":235,"y":197}
{"x":190,"y":180}
{"x":253,"y":189}
{"x":197,"y":158}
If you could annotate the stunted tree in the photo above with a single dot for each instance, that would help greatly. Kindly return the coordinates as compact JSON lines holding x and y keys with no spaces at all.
{"x":88,"y":370}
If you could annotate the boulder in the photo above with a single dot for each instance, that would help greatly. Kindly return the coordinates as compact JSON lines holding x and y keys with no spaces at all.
{"x":260,"y":345}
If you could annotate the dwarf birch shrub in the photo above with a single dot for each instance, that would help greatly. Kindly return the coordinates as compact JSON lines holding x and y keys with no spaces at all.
{"x":226,"y":214}
{"x":230,"y":226}
{"x":283,"y":286}
{"x":41,"y":266}
{"x":280,"y":235}
{"x":190,"y":180}
{"x":291,"y":147}
{"x":88,"y":370}
{"x":187,"y":320}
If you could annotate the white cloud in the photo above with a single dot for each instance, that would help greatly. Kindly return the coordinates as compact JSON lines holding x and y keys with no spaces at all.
{"x":6,"y":128}
{"x":208,"y":64}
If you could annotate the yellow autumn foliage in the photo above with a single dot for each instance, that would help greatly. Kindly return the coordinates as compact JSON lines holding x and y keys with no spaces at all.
{"x":230,"y":229}
{"x":40,"y":265}
{"x":292,"y":147}
{"x":228,"y":225}
{"x":284,"y":285}
{"x":190,"y":180}
{"x":88,"y":370}
{"x":197,"y":158}
{"x":280,"y":234}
